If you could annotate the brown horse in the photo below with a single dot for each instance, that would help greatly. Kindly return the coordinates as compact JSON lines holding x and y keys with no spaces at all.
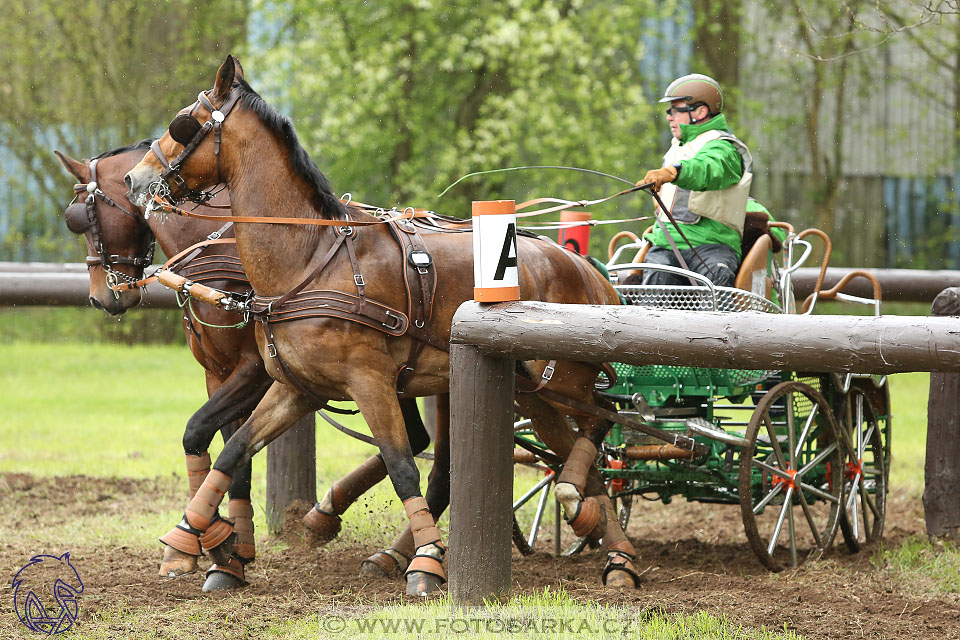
{"x":119,"y":244}
{"x":345,"y":345}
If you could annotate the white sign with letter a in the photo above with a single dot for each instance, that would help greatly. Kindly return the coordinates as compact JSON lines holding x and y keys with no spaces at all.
{"x":496,"y":275}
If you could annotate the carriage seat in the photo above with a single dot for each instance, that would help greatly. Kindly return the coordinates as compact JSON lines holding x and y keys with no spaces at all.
{"x":752,"y":275}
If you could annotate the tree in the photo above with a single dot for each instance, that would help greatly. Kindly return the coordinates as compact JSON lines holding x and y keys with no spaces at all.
{"x":87,"y":76}
{"x":396,"y":99}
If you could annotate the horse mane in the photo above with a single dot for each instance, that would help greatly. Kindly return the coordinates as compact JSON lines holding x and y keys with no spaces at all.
{"x":324,"y":197}
{"x":143,"y":144}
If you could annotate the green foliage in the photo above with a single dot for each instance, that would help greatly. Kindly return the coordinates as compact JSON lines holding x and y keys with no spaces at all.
{"x":927,"y":566}
{"x":84,"y":77}
{"x":397,"y":99}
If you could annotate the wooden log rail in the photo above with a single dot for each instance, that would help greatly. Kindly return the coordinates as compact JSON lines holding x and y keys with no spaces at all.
{"x":487,"y":339}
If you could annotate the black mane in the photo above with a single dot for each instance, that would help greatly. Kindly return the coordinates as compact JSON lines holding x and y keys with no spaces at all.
{"x":325,"y":199}
{"x":143,"y":144}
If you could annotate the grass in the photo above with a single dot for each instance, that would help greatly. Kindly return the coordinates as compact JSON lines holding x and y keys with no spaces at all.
{"x":100,"y":409}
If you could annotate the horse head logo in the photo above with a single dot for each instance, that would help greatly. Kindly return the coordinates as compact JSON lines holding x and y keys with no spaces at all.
{"x":43,"y":581}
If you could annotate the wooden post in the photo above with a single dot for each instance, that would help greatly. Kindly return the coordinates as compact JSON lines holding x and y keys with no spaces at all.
{"x":481,"y":475}
{"x":941,"y":501}
{"x":291,"y":470}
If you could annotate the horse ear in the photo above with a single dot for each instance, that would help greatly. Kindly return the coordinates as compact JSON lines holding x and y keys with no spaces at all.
{"x":77,"y":169}
{"x":237,"y":68}
{"x":225,"y":77}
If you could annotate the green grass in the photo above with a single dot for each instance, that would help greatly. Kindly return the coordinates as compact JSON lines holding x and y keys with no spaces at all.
{"x":105,"y":410}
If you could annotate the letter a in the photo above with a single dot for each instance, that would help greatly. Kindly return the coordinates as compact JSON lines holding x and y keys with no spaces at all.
{"x":509,"y":247}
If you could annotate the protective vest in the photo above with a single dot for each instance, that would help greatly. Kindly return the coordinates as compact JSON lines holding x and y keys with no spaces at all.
{"x":725,"y":205}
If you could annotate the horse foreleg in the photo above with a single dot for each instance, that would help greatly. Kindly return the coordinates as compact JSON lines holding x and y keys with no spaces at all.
{"x":378,"y":404}
{"x":390,"y":562}
{"x":202,"y":528}
{"x":229,"y":400}
{"x":324,"y":519}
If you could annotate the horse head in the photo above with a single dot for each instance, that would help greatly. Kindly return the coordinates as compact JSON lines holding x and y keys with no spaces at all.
{"x":186,"y":158}
{"x":119,"y":242}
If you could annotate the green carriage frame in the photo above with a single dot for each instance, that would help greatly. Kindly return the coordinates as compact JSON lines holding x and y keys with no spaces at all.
{"x":798,"y":475}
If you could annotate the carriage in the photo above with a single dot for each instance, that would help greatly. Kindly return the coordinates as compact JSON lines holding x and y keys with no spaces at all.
{"x":802,"y":453}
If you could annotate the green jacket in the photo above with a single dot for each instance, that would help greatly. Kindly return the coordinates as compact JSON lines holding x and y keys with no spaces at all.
{"x":717,"y":166}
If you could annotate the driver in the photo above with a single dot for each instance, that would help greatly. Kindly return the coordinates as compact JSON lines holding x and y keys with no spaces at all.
{"x":704,"y":182}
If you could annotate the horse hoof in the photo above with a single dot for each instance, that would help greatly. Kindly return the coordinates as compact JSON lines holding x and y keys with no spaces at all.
{"x":423,"y":584}
{"x":617,"y":579}
{"x":176,"y":563}
{"x":219,"y":581}
{"x":323,"y":526}
{"x":382,"y":564}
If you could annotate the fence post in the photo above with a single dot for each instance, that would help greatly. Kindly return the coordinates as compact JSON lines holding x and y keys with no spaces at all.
{"x":291,"y":470}
{"x":481,"y":475}
{"x":941,"y":501}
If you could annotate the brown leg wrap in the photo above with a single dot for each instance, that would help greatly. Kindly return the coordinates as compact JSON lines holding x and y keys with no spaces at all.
{"x":578,"y":463}
{"x":427,"y":564}
{"x":203,"y":506}
{"x":241,"y":512}
{"x":590,"y":515}
{"x":197,"y":469}
{"x":346,"y":491}
{"x":388,"y":562}
{"x":182,"y":539}
{"x":613,"y":534}
{"x":422,"y":524}
{"x":325,"y":525}
{"x":234,"y":567}
{"x":216,"y":534}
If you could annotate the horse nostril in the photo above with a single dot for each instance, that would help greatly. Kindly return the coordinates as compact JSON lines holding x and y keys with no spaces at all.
{"x":127,"y":181}
{"x":96,"y":304}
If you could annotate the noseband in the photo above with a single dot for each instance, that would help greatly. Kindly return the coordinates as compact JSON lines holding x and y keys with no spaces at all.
{"x":83,"y":218}
{"x":171,"y":170}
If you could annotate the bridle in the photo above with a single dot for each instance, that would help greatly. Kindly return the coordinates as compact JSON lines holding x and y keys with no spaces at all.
{"x":82,"y":218}
{"x":171,"y":170}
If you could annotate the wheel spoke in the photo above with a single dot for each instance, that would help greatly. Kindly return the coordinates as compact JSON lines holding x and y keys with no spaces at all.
{"x":792,"y":531}
{"x":774,"y":442}
{"x":791,"y":427}
{"x":777,"y":471}
{"x":806,"y":429}
{"x":767,"y":498}
{"x":854,"y":490}
{"x":776,"y":530}
{"x":809,"y":516}
{"x":819,"y":492}
{"x":826,"y":451}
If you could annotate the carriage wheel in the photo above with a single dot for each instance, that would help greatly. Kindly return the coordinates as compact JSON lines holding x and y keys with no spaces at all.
{"x":865,"y":473}
{"x":791,"y":481}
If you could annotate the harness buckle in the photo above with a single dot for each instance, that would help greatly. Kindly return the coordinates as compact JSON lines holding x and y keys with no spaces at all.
{"x":548,"y":372}
{"x":215,"y":235}
{"x":396,"y":324}
{"x":272,"y":350}
{"x":358,"y":279}
{"x":345,"y":230}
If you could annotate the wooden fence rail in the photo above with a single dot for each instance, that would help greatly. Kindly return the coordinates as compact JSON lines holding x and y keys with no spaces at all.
{"x":487,"y":339}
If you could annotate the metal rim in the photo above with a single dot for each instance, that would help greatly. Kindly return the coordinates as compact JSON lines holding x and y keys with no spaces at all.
{"x":792,"y":513}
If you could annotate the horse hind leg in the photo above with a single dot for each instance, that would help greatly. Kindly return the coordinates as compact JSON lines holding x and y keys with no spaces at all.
{"x":324,"y":521}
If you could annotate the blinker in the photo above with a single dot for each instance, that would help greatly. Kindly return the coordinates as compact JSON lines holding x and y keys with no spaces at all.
{"x":77,"y":219}
{"x":183,"y":128}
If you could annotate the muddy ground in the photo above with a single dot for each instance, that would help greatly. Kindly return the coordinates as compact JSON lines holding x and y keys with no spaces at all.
{"x":692,"y":557}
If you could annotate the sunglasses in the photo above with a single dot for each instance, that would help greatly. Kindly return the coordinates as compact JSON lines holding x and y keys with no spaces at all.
{"x":676,"y":110}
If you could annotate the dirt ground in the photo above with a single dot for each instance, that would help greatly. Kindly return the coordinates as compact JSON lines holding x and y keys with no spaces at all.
{"x":693,"y":557}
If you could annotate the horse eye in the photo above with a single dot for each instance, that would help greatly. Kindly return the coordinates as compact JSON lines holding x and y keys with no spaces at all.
{"x":183,"y":128}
